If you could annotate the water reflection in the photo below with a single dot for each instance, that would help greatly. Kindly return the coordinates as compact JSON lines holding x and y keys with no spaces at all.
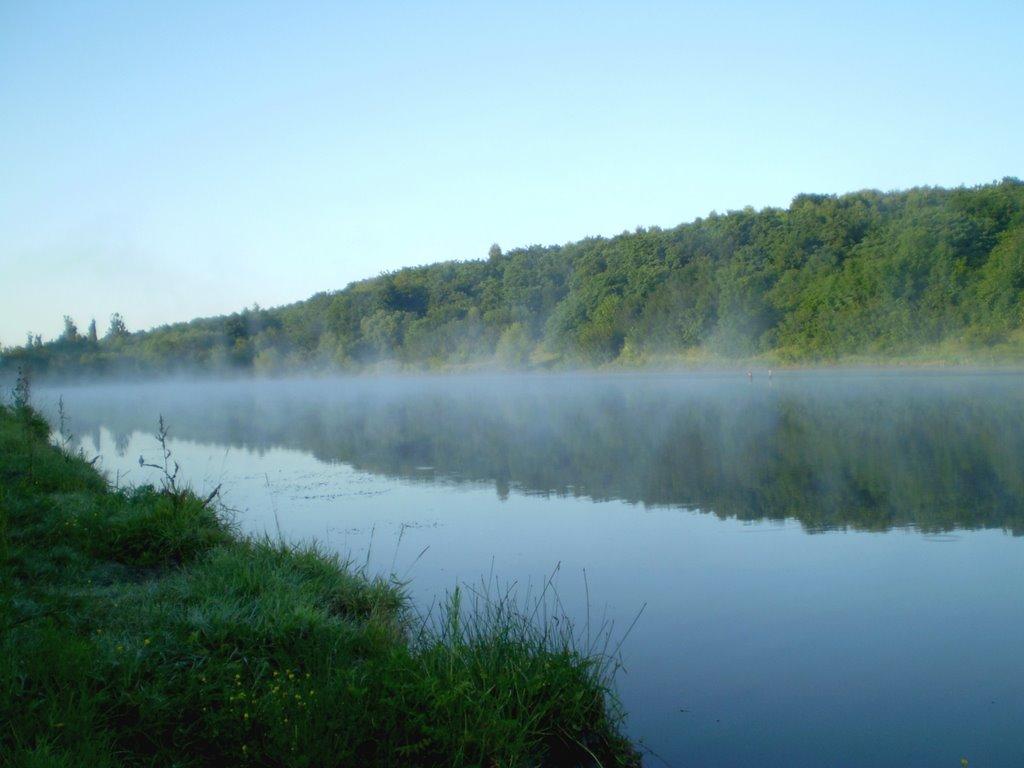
{"x":858,"y":450}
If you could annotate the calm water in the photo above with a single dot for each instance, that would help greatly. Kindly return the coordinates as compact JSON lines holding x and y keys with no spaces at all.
{"x":831,"y":564}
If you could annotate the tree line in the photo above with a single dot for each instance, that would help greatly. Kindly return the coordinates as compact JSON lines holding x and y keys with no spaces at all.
{"x":863,"y":274}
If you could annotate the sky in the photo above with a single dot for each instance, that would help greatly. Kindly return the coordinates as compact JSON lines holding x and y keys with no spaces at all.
{"x":181,"y":159}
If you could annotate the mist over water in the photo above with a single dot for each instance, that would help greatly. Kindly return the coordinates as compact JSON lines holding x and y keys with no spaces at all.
{"x":831,"y":561}
{"x":862,"y":450}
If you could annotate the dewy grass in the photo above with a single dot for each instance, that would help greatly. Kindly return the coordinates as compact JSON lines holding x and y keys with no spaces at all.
{"x":137,"y":628}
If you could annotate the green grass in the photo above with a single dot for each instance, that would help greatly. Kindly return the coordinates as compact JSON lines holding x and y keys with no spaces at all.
{"x":138,"y":628}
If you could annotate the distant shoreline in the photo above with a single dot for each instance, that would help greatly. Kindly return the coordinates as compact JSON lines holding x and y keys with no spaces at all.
{"x":709,"y":366}
{"x":927,"y":276}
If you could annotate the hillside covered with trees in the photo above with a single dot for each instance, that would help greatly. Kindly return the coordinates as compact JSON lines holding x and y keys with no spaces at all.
{"x":862,"y":275}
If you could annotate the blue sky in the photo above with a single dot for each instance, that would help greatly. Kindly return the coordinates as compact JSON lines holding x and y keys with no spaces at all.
{"x":169,"y":160}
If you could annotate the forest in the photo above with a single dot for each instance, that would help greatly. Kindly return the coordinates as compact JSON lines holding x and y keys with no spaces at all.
{"x":928,"y":272}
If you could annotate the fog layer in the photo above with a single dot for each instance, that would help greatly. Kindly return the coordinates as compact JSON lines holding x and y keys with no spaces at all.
{"x":859,"y":449}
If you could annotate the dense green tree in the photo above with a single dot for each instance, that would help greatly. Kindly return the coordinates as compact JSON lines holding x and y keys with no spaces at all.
{"x":70,"y":332}
{"x":863,"y":274}
{"x":117,"y":327}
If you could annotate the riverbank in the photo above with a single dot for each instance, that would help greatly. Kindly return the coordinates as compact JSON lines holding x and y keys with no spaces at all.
{"x":950,"y":355}
{"x":137,"y":627}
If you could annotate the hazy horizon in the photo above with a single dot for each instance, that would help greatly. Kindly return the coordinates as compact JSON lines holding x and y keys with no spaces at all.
{"x":83,"y":321}
{"x":177,"y":164}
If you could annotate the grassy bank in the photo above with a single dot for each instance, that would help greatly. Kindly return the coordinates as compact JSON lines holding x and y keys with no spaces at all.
{"x":137,"y":628}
